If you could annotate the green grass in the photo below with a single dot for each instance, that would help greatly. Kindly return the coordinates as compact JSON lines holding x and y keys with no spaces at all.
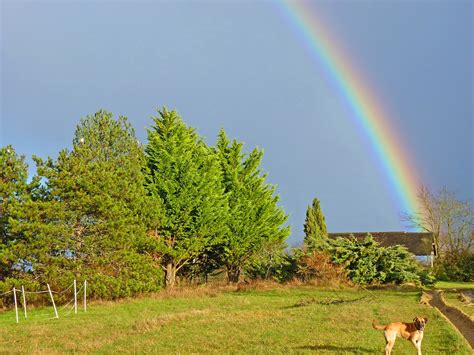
{"x":449,"y":284}
{"x":452,"y":299}
{"x":253,"y":321}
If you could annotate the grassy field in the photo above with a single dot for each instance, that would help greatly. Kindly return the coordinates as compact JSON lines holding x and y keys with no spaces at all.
{"x":450,"y":284}
{"x":279,"y":320}
{"x":452,"y":299}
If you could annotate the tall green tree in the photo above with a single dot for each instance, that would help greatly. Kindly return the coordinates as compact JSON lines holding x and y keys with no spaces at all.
{"x":13,"y":190}
{"x":255,"y":219}
{"x":183,"y":177}
{"x":315,"y":227}
{"x":92,"y":216}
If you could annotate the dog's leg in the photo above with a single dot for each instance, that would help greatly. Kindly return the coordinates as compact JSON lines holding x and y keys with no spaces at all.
{"x":389,"y":346}
{"x":417,"y":345}
{"x":390,"y":338}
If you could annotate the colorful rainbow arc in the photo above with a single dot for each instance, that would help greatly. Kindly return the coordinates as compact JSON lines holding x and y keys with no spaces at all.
{"x":373,"y":121}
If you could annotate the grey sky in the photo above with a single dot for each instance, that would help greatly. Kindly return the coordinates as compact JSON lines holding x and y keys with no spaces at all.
{"x":241,"y":66}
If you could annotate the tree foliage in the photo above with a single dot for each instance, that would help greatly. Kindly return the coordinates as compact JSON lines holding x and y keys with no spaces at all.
{"x":90,"y":216}
{"x":315,"y":229}
{"x":14,"y":190}
{"x":366,"y":262}
{"x":116,"y":214}
{"x":183,"y":177}
{"x":255,"y":220}
{"x":452,"y":223}
{"x":271,"y":262}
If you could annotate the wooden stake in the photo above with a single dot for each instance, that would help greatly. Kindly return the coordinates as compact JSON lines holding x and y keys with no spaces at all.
{"x":52,"y":300}
{"x":75,"y":297}
{"x":85,"y":295}
{"x":24,"y":299}
{"x":16,"y":305}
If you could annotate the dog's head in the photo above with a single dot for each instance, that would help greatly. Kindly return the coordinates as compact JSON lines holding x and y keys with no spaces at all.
{"x":420,"y":323}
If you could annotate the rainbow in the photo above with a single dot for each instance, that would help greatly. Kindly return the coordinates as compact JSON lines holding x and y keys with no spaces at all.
{"x":394,"y":161}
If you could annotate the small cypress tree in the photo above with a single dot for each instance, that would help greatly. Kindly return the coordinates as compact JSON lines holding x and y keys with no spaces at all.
{"x":315,"y":227}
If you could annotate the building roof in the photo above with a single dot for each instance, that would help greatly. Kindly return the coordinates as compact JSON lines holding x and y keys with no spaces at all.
{"x":416,"y":243}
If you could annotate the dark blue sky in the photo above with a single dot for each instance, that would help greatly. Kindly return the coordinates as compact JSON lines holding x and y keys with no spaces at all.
{"x":241,"y":66}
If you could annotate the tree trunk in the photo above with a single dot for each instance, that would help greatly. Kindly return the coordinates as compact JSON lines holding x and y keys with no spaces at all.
{"x":170,"y":277}
{"x":233,"y":274}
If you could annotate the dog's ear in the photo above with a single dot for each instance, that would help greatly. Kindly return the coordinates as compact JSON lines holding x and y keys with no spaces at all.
{"x":426,"y":319}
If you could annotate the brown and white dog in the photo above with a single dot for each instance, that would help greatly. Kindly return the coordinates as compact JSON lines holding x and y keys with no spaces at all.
{"x":409,"y":331}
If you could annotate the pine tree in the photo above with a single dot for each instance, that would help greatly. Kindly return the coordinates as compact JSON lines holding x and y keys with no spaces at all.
{"x":91,"y":217}
{"x":255,"y":217}
{"x":184,"y":178}
{"x":13,"y":190}
{"x":315,"y":227}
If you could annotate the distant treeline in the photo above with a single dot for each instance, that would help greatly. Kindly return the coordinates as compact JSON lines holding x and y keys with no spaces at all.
{"x":131,"y":218}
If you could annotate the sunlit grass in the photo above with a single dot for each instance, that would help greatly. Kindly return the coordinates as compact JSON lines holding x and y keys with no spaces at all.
{"x":449,"y":284}
{"x":452,"y":299}
{"x":283,"y":320}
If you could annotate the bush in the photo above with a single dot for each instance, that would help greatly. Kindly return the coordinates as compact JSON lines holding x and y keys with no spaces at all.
{"x":280,"y":268}
{"x":318,"y":265}
{"x":427,"y":277}
{"x":366,"y":262}
{"x":455,"y":268}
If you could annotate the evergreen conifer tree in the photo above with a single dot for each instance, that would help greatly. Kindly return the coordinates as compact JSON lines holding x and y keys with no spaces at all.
{"x":183,"y":177}
{"x":91,"y":217}
{"x":255,"y":219}
{"x":315,"y":227}
{"x":13,"y":190}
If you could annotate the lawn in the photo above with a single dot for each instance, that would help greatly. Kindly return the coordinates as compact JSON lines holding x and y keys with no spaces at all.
{"x":450,"y":284}
{"x":452,"y":299}
{"x":279,"y":320}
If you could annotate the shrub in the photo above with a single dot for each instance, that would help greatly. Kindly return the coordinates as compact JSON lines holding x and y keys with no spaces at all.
{"x":455,"y":268}
{"x":318,"y":265}
{"x":280,"y":267}
{"x":427,"y":277}
{"x":366,"y":262}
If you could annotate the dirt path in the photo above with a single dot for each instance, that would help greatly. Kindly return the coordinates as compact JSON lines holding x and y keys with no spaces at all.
{"x":460,"y":320}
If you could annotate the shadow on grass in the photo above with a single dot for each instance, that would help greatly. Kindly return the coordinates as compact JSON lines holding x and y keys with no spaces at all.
{"x":327,"y":302}
{"x":337,"y":348}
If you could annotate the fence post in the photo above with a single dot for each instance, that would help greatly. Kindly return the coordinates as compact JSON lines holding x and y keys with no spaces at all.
{"x":24,"y":299}
{"x":75,"y":297}
{"x":85,"y":295}
{"x":52,"y":300}
{"x":16,"y":305}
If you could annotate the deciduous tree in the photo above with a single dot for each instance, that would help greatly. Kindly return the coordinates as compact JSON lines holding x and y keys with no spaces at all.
{"x":451,"y":221}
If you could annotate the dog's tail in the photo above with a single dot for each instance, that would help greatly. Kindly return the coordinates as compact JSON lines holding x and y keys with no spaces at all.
{"x":378,"y":327}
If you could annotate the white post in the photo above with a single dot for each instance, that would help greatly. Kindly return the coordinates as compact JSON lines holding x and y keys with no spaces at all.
{"x":52,"y":300}
{"x":24,"y":299}
{"x":85,"y":295}
{"x":16,"y":305}
{"x":75,"y":297}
